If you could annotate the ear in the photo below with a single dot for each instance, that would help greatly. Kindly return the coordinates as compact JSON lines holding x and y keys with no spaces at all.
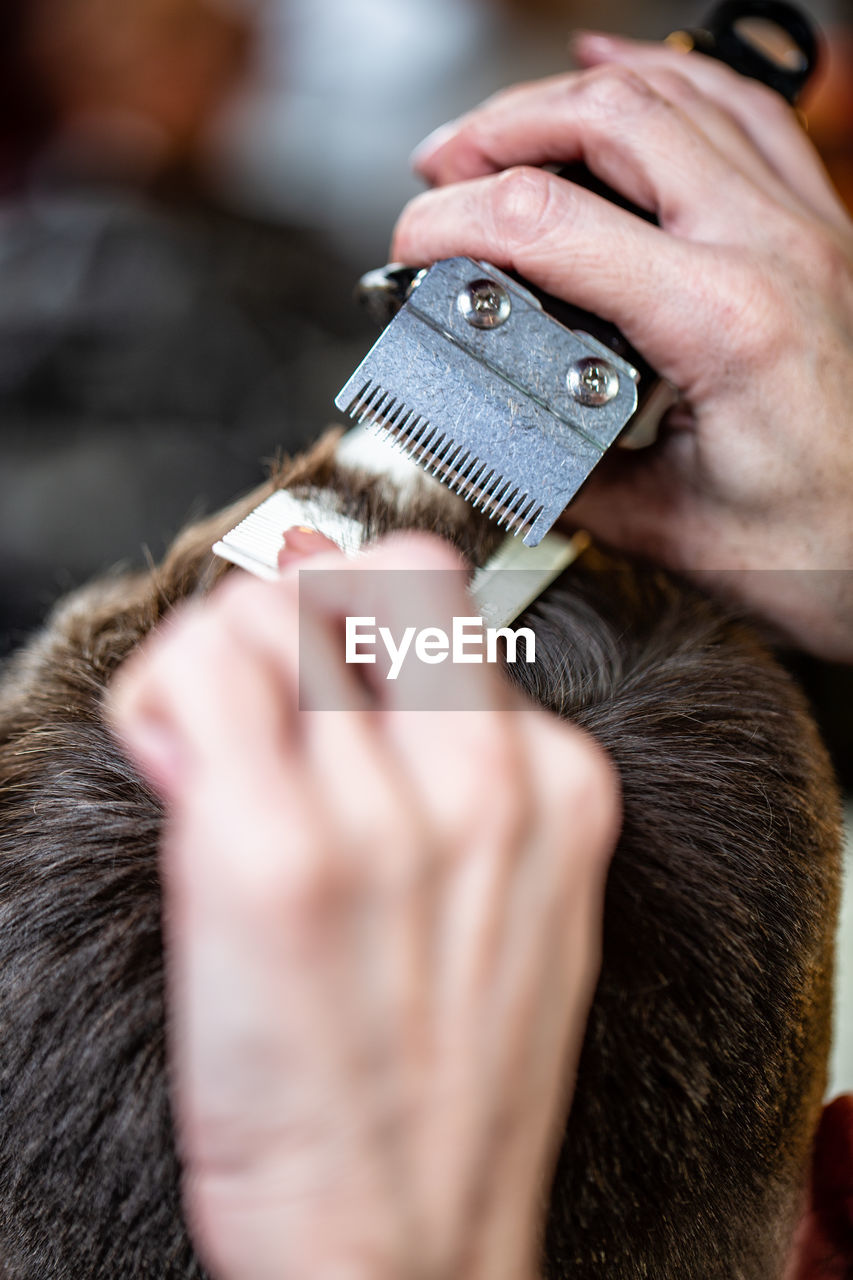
{"x":823,"y":1246}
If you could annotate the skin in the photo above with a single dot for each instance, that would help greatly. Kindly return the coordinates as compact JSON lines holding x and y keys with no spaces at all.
{"x":379,"y":986}
{"x":742,"y":297}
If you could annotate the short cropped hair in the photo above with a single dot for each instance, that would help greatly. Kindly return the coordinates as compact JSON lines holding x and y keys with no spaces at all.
{"x":699,"y":1088}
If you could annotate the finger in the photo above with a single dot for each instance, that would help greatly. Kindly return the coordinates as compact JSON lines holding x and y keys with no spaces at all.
{"x":303,"y":656}
{"x":722,"y":129}
{"x":772,"y":126}
{"x":522,"y":940}
{"x":571,"y":837}
{"x":444,"y":722}
{"x":374,"y":831}
{"x":561,"y":885}
{"x":364,"y":801}
{"x":256,"y":884}
{"x":460,"y":748}
{"x":301,"y":543}
{"x":374,"y":813}
{"x":405,"y":583}
{"x":259,"y":952}
{"x":294,"y":630}
{"x":190,"y":703}
{"x":621,"y":127}
{"x":446,"y":157}
{"x":660,"y":291}
{"x":439,"y":761}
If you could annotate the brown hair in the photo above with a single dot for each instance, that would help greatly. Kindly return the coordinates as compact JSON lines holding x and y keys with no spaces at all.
{"x":704,"y":1063}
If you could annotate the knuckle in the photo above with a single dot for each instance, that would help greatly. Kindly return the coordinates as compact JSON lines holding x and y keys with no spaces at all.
{"x":286,"y":871}
{"x":241,"y":597}
{"x":673,"y":87}
{"x":491,"y":742}
{"x":764,"y":102}
{"x":271,"y":612}
{"x":613,"y":90}
{"x":603,"y":800}
{"x":188,"y":641}
{"x":306,"y":887}
{"x":826,"y":260}
{"x":500,"y":824}
{"x":254,"y":612}
{"x":585,"y":795}
{"x":177,"y":629}
{"x":492,"y":801}
{"x":413,"y":550}
{"x":750,"y":311}
{"x":381,"y":823}
{"x":760,"y":325}
{"x":505,"y":792}
{"x":522,"y":208}
{"x":509,"y":809}
{"x":728,"y":87}
{"x":234,"y":588}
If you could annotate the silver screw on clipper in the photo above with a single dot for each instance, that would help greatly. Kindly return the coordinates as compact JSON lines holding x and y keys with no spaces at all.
{"x":593,"y":382}
{"x":485,"y":304}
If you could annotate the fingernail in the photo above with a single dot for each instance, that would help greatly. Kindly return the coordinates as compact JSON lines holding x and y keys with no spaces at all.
{"x":301,"y":537}
{"x":300,"y":542}
{"x":432,"y":143}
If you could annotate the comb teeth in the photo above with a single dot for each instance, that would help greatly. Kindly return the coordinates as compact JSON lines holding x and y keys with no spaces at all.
{"x":439,"y":454}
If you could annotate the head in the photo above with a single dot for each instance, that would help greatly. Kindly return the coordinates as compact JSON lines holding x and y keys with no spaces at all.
{"x":134,"y":85}
{"x":687,"y":1148}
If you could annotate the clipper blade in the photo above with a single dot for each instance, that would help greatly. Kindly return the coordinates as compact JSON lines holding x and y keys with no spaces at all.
{"x":462,"y":470}
{"x":490,"y":412}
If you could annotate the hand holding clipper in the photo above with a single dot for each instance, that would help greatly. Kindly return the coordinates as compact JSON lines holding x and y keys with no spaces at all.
{"x":516,"y":420}
{"x":741,"y":296}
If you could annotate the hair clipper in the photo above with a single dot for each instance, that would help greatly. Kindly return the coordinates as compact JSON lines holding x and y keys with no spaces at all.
{"x":508,"y":395}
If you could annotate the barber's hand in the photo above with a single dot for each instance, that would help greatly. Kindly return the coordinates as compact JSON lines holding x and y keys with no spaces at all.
{"x":743,"y":298}
{"x":383,"y":932}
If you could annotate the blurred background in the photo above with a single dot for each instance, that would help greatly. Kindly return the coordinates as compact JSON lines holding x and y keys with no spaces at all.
{"x":188,"y":191}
